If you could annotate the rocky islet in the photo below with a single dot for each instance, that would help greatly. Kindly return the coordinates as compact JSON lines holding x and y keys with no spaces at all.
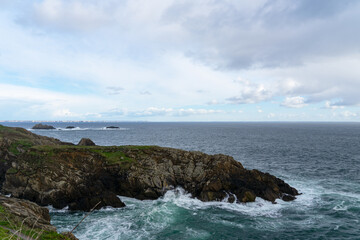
{"x":43,"y":126}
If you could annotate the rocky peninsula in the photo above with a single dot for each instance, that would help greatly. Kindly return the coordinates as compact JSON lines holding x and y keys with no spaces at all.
{"x":50,"y":172}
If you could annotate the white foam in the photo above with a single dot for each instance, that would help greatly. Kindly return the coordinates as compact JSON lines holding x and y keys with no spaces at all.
{"x":260,"y":207}
{"x":55,"y":210}
{"x":341,"y":207}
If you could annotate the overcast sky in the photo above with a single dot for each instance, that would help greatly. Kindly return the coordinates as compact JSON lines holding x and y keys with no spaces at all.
{"x":176,"y":60}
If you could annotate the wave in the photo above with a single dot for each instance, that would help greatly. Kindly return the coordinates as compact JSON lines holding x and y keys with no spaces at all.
{"x":177,"y":214}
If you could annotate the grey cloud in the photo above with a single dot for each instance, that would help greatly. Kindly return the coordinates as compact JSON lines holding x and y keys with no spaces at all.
{"x":278,"y":33}
{"x":145,"y":93}
{"x":114,"y":90}
{"x":222,"y":34}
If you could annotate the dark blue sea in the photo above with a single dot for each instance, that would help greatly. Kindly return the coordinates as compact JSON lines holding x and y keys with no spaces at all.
{"x":321,"y":160}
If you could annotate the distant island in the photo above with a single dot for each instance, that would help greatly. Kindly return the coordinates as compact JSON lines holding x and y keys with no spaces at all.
{"x":42,"y":126}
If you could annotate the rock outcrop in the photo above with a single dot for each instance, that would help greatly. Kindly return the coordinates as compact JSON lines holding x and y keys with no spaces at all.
{"x":22,"y":218}
{"x":42,"y":126}
{"x":110,"y":127}
{"x":15,"y":141}
{"x":80,"y":177}
{"x":86,"y":142}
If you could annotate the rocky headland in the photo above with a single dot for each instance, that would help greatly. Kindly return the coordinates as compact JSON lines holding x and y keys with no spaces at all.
{"x":50,"y":172}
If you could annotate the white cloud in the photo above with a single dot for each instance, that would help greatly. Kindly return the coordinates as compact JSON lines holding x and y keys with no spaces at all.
{"x":48,"y":104}
{"x":75,"y":15}
{"x":250,"y":93}
{"x":294,"y":102}
{"x":330,"y":105}
{"x":271,"y":115}
{"x":348,"y":114}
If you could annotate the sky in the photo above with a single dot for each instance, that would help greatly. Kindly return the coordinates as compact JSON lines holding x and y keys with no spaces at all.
{"x":180,"y":60}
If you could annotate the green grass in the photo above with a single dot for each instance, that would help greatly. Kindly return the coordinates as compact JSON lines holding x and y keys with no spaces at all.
{"x":22,"y":143}
{"x":12,"y":171}
{"x":112,"y":154}
{"x":6,"y":129}
{"x":113,"y":157}
{"x":4,"y":233}
{"x":138,"y":147}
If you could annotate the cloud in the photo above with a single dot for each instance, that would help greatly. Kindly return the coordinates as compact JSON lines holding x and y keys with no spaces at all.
{"x":213,"y":102}
{"x":72,"y":15}
{"x":145,"y":93}
{"x":39,"y":103}
{"x":348,"y":114}
{"x":182,"y":53}
{"x":294,"y":102}
{"x":114,"y":90}
{"x":271,"y":115}
{"x":330,"y":105}
{"x":250,"y":93}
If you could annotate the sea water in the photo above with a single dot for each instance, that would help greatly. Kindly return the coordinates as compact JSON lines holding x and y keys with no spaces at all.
{"x":321,"y":160}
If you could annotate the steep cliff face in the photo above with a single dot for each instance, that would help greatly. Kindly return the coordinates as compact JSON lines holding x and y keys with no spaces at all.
{"x":81,"y":176}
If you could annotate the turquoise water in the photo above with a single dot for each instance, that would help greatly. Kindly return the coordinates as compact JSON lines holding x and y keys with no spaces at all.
{"x":321,"y":160}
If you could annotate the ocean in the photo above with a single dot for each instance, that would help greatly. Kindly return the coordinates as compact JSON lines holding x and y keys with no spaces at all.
{"x":321,"y":160}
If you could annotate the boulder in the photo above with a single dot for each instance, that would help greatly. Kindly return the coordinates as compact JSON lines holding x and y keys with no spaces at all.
{"x":70,"y":127}
{"x":86,"y":142}
{"x":42,"y":126}
{"x":112,"y":127}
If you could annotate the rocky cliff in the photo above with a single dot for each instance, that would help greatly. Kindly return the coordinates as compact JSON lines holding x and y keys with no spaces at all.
{"x":22,"y":219}
{"x":50,"y":172}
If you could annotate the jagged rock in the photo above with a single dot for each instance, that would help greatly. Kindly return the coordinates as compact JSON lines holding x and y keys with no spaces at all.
{"x":112,"y":127}
{"x":105,"y":199}
{"x":70,"y":127}
{"x":31,"y":213}
{"x":17,"y":214}
{"x":42,"y":126}
{"x":80,"y":177}
{"x":86,"y":142}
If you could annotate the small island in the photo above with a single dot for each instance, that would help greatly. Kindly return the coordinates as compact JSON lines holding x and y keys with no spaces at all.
{"x":42,"y":126}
